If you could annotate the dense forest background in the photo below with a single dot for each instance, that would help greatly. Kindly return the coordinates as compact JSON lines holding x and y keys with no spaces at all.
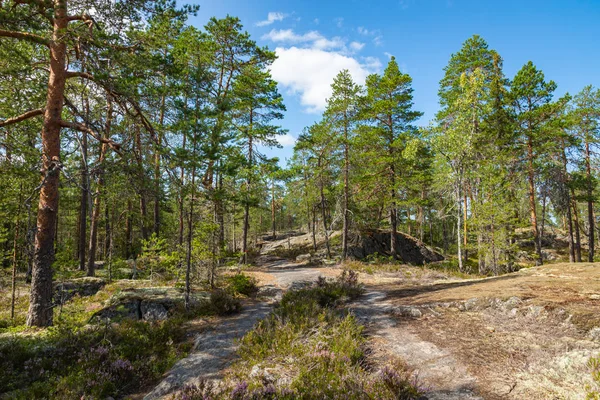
{"x":153,"y":138}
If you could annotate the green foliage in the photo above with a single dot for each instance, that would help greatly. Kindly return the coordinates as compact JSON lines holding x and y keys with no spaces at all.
{"x":242,"y":284}
{"x":156,"y":260}
{"x":96,"y":362}
{"x":593,"y":391}
{"x":223,"y":303}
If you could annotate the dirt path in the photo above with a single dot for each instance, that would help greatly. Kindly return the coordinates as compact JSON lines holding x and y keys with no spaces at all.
{"x":215,"y":347}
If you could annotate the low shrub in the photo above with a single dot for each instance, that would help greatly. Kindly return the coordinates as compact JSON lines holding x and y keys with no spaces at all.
{"x":223,"y":303}
{"x":93,"y":362}
{"x":242,"y":284}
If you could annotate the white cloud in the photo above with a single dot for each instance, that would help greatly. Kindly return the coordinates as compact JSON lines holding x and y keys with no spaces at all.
{"x":366,"y":32}
{"x":357,"y":46}
{"x":287,"y":140}
{"x":313,"y":38}
{"x":309,"y":72}
{"x":272,"y":17}
{"x":339,"y":22}
{"x":378,"y":40}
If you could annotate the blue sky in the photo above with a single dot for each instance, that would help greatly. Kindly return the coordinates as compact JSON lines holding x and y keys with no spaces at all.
{"x":315,"y":39}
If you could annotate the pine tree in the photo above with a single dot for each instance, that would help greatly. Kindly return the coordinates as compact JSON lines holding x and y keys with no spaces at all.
{"x":342,"y":111}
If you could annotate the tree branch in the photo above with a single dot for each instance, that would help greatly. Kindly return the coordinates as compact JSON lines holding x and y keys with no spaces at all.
{"x":30,"y":37}
{"x":84,"y":128}
{"x":22,"y":117}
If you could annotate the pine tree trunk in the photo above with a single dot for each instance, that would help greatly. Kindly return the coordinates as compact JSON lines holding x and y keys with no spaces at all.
{"x":345,"y":226}
{"x":247,"y":203}
{"x":14,"y":255}
{"x":91,"y":268}
{"x":40,"y":305}
{"x":393,"y":216}
{"x":128,"y":230}
{"x":82,"y":239}
{"x":273,"y":209}
{"x":324,"y":215}
{"x":532,"y":204}
{"x":314,"y":229}
{"x":577,"y":227}
{"x":590,"y":202}
{"x":458,"y":229}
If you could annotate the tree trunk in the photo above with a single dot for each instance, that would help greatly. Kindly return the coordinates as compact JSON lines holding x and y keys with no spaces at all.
{"x":91,"y":268}
{"x":273,"y":209}
{"x":577,"y":227}
{"x":590,"y":202}
{"x":247,"y":202}
{"x":458,"y":229}
{"x":324,"y":215}
{"x":570,"y":227}
{"x":40,"y":305}
{"x":83,"y":203}
{"x":314,"y":229}
{"x":346,"y":190}
{"x":532,"y":204}
{"x":393,"y":216}
{"x":128,"y":230}
{"x":14,"y":255}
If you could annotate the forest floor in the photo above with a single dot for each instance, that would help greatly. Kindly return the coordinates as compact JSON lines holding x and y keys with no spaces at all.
{"x":524,"y":335}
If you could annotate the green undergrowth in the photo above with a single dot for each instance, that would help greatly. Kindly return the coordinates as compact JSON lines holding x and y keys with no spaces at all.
{"x":309,"y":347}
{"x":84,"y":358}
{"x":91,"y":362}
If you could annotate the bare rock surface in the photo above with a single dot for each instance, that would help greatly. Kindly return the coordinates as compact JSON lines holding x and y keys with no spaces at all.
{"x":437,"y":370}
{"x":213,"y":351}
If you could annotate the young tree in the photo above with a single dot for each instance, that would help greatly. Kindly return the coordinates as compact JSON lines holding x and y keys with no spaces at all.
{"x":342,"y":110}
{"x":388,"y":107}
{"x":258,"y":103}
{"x":531,"y":99}
{"x":586,"y":115}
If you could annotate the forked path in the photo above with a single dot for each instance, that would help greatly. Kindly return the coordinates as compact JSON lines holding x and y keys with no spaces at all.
{"x":214,"y":348}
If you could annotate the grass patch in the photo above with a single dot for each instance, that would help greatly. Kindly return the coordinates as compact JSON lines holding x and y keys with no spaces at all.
{"x":309,"y":347}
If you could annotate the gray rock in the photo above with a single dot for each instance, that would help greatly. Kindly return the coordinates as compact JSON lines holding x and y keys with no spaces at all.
{"x":409,"y":311}
{"x":471,"y":304}
{"x":303,"y":257}
{"x":410,"y":249}
{"x":153,"y":311}
{"x":535,"y":311}
{"x":511,"y":303}
{"x":594,"y":334}
{"x":269,"y":291}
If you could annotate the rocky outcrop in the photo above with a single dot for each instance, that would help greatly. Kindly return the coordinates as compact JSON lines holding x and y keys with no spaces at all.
{"x":147,"y":304}
{"x":409,"y":249}
{"x":65,"y":291}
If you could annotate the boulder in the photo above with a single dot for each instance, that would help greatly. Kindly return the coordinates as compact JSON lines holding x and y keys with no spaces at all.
{"x":65,"y":291}
{"x":147,"y":304}
{"x":303,"y":257}
{"x":376,"y":241}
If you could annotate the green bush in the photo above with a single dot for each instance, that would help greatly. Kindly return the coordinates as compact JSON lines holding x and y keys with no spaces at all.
{"x":223,"y":303}
{"x":242,"y":284}
{"x":593,"y":391}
